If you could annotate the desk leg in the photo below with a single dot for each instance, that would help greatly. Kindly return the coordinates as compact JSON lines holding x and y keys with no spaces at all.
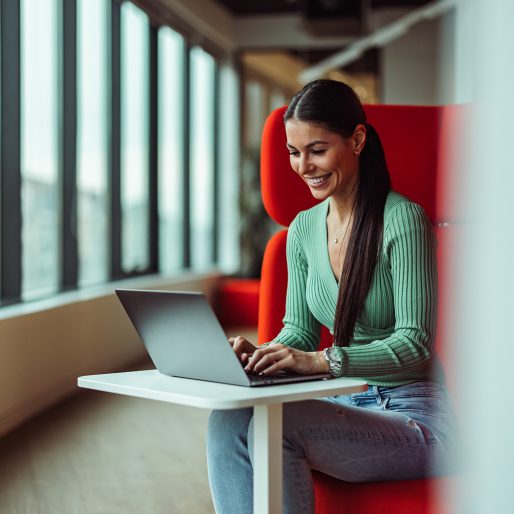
{"x":267,"y":473}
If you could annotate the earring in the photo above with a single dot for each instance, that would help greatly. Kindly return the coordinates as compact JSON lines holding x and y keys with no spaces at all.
{"x":357,"y":152}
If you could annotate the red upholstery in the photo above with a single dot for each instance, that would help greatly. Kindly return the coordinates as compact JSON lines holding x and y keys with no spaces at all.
{"x":238,"y":302}
{"x":283,"y":193}
{"x":413,"y":150}
{"x":416,"y":159}
{"x":274,"y":288}
{"x":410,"y":139}
{"x":402,"y":497}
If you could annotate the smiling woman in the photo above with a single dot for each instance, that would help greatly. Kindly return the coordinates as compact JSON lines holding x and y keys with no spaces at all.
{"x":358,"y":185}
{"x":362,"y":263}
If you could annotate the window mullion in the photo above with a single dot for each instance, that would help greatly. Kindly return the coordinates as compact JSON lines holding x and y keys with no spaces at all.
{"x":10,"y":164}
{"x":68,"y":143}
{"x":115,"y":144}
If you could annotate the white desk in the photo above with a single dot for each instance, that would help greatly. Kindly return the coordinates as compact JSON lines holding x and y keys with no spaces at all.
{"x":266,"y":401}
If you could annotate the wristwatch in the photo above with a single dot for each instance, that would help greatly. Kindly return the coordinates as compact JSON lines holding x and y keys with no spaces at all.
{"x":334,"y":361}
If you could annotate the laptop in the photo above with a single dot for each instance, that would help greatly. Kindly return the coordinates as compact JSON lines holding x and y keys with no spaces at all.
{"x":184,"y":339}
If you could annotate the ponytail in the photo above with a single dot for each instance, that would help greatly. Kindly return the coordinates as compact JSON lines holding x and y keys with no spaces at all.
{"x":366,"y":237}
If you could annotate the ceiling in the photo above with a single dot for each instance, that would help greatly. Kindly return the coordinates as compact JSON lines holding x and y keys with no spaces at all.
{"x":312,"y":8}
{"x":319,"y":20}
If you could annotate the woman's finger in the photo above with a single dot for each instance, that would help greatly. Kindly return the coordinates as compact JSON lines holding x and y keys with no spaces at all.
{"x":245,"y":357}
{"x":283,"y":362}
{"x":263,"y":358}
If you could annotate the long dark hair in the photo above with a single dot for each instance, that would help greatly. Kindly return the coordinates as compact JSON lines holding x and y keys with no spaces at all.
{"x":335,"y":106}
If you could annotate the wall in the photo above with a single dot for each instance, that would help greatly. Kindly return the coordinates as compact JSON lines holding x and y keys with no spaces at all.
{"x":45,"y":346}
{"x":418,"y":68}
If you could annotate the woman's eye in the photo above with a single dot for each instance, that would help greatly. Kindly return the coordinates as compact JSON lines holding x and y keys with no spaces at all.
{"x":294,"y":154}
{"x":317,"y":152}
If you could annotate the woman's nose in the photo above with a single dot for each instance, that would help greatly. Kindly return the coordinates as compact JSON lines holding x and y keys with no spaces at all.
{"x":304,"y":165}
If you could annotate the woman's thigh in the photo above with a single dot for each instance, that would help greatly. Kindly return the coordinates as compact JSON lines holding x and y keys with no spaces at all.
{"x":358,"y":444}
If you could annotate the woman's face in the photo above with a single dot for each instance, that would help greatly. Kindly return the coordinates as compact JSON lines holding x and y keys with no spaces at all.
{"x":326,"y":161}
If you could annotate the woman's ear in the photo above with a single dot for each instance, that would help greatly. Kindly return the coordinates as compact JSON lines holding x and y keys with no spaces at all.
{"x":359,"y":138}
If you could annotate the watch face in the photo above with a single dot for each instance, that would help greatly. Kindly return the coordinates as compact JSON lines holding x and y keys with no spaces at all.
{"x":334,"y":361}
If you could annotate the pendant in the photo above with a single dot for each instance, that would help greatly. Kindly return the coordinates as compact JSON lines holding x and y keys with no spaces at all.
{"x":335,"y":241}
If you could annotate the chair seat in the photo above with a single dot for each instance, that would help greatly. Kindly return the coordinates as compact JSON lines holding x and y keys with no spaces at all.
{"x":400,"y":497}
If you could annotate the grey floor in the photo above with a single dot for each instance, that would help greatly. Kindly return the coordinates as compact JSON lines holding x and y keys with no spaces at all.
{"x":99,"y":453}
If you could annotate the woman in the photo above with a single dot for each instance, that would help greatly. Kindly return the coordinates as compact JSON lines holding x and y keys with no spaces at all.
{"x":362,"y":263}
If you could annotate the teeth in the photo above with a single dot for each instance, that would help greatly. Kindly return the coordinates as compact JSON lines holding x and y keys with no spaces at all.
{"x":317,"y":180}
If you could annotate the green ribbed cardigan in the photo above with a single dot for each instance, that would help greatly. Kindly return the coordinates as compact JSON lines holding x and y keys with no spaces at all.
{"x":394,"y":334}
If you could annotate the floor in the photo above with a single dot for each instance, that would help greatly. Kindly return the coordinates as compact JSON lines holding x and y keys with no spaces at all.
{"x":99,"y":453}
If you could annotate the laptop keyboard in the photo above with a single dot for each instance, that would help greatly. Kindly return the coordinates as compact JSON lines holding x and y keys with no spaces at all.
{"x":255,"y":377}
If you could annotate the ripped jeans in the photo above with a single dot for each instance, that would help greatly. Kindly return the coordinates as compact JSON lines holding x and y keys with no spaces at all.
{"x":385,"y":433}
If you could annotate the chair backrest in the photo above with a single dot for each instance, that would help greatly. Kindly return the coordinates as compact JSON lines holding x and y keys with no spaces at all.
{"x":416,"y":161}
{"x":411,"y":144}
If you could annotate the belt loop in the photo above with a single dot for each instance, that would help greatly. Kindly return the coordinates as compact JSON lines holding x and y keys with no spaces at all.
{"x":381,"y":402}
{"x":378,"y":397}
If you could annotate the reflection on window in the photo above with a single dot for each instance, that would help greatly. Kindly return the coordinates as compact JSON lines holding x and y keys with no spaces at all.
{"x":170,"y":145}
{"x":134,"y":138}
{"x":92,"y":162}
{"x":39,"y":147}
{"x":202,"y":157}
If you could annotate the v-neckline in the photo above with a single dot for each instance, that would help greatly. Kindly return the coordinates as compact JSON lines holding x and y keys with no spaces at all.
{"x":335,"y":281}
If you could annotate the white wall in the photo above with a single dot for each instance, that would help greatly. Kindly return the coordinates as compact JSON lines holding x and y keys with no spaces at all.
{"x":418,"y":68}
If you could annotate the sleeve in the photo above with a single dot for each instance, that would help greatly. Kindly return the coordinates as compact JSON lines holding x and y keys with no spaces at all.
{"x":301,"y":329}
{"x":410,"y":252}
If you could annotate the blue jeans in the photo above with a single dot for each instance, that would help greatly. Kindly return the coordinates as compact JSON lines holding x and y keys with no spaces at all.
{"x":385,"y":433}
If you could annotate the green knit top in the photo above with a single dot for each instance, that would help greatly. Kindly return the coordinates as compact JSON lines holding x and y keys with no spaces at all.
{"x":393,"y":338}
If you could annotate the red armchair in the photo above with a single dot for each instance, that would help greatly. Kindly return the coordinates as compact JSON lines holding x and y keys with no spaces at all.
{"x":414,"y":152}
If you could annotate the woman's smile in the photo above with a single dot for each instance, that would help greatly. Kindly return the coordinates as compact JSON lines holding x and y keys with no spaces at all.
{"x":317,"y":182}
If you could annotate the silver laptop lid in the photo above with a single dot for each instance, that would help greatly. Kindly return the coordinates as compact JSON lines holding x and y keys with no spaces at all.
{"x":182,"y":335}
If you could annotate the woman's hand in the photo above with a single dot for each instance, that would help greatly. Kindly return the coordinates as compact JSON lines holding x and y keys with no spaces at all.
{"x":276,"y":357}
{"x":243,"y":348}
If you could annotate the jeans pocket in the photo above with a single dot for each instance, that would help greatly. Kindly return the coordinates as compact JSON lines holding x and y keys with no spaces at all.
{"x":425,"y":398}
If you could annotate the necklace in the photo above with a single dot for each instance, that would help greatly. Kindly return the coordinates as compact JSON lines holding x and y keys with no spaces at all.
{"x":336,"y":240}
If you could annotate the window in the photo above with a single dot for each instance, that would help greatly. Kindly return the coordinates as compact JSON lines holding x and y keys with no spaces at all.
{"x":134,"y":138}
{"x":122,"y":161}
{"x":170,"y":149}
{"x":39,"y":147}
{"x":229,"y":159}
{"x":92,"y":140}
{"x":277,"y":99}
{"x":255,"y":114}
{"x":202,"y":157}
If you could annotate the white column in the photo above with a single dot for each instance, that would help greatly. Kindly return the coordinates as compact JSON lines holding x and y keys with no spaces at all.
{"x":486,"y":269}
